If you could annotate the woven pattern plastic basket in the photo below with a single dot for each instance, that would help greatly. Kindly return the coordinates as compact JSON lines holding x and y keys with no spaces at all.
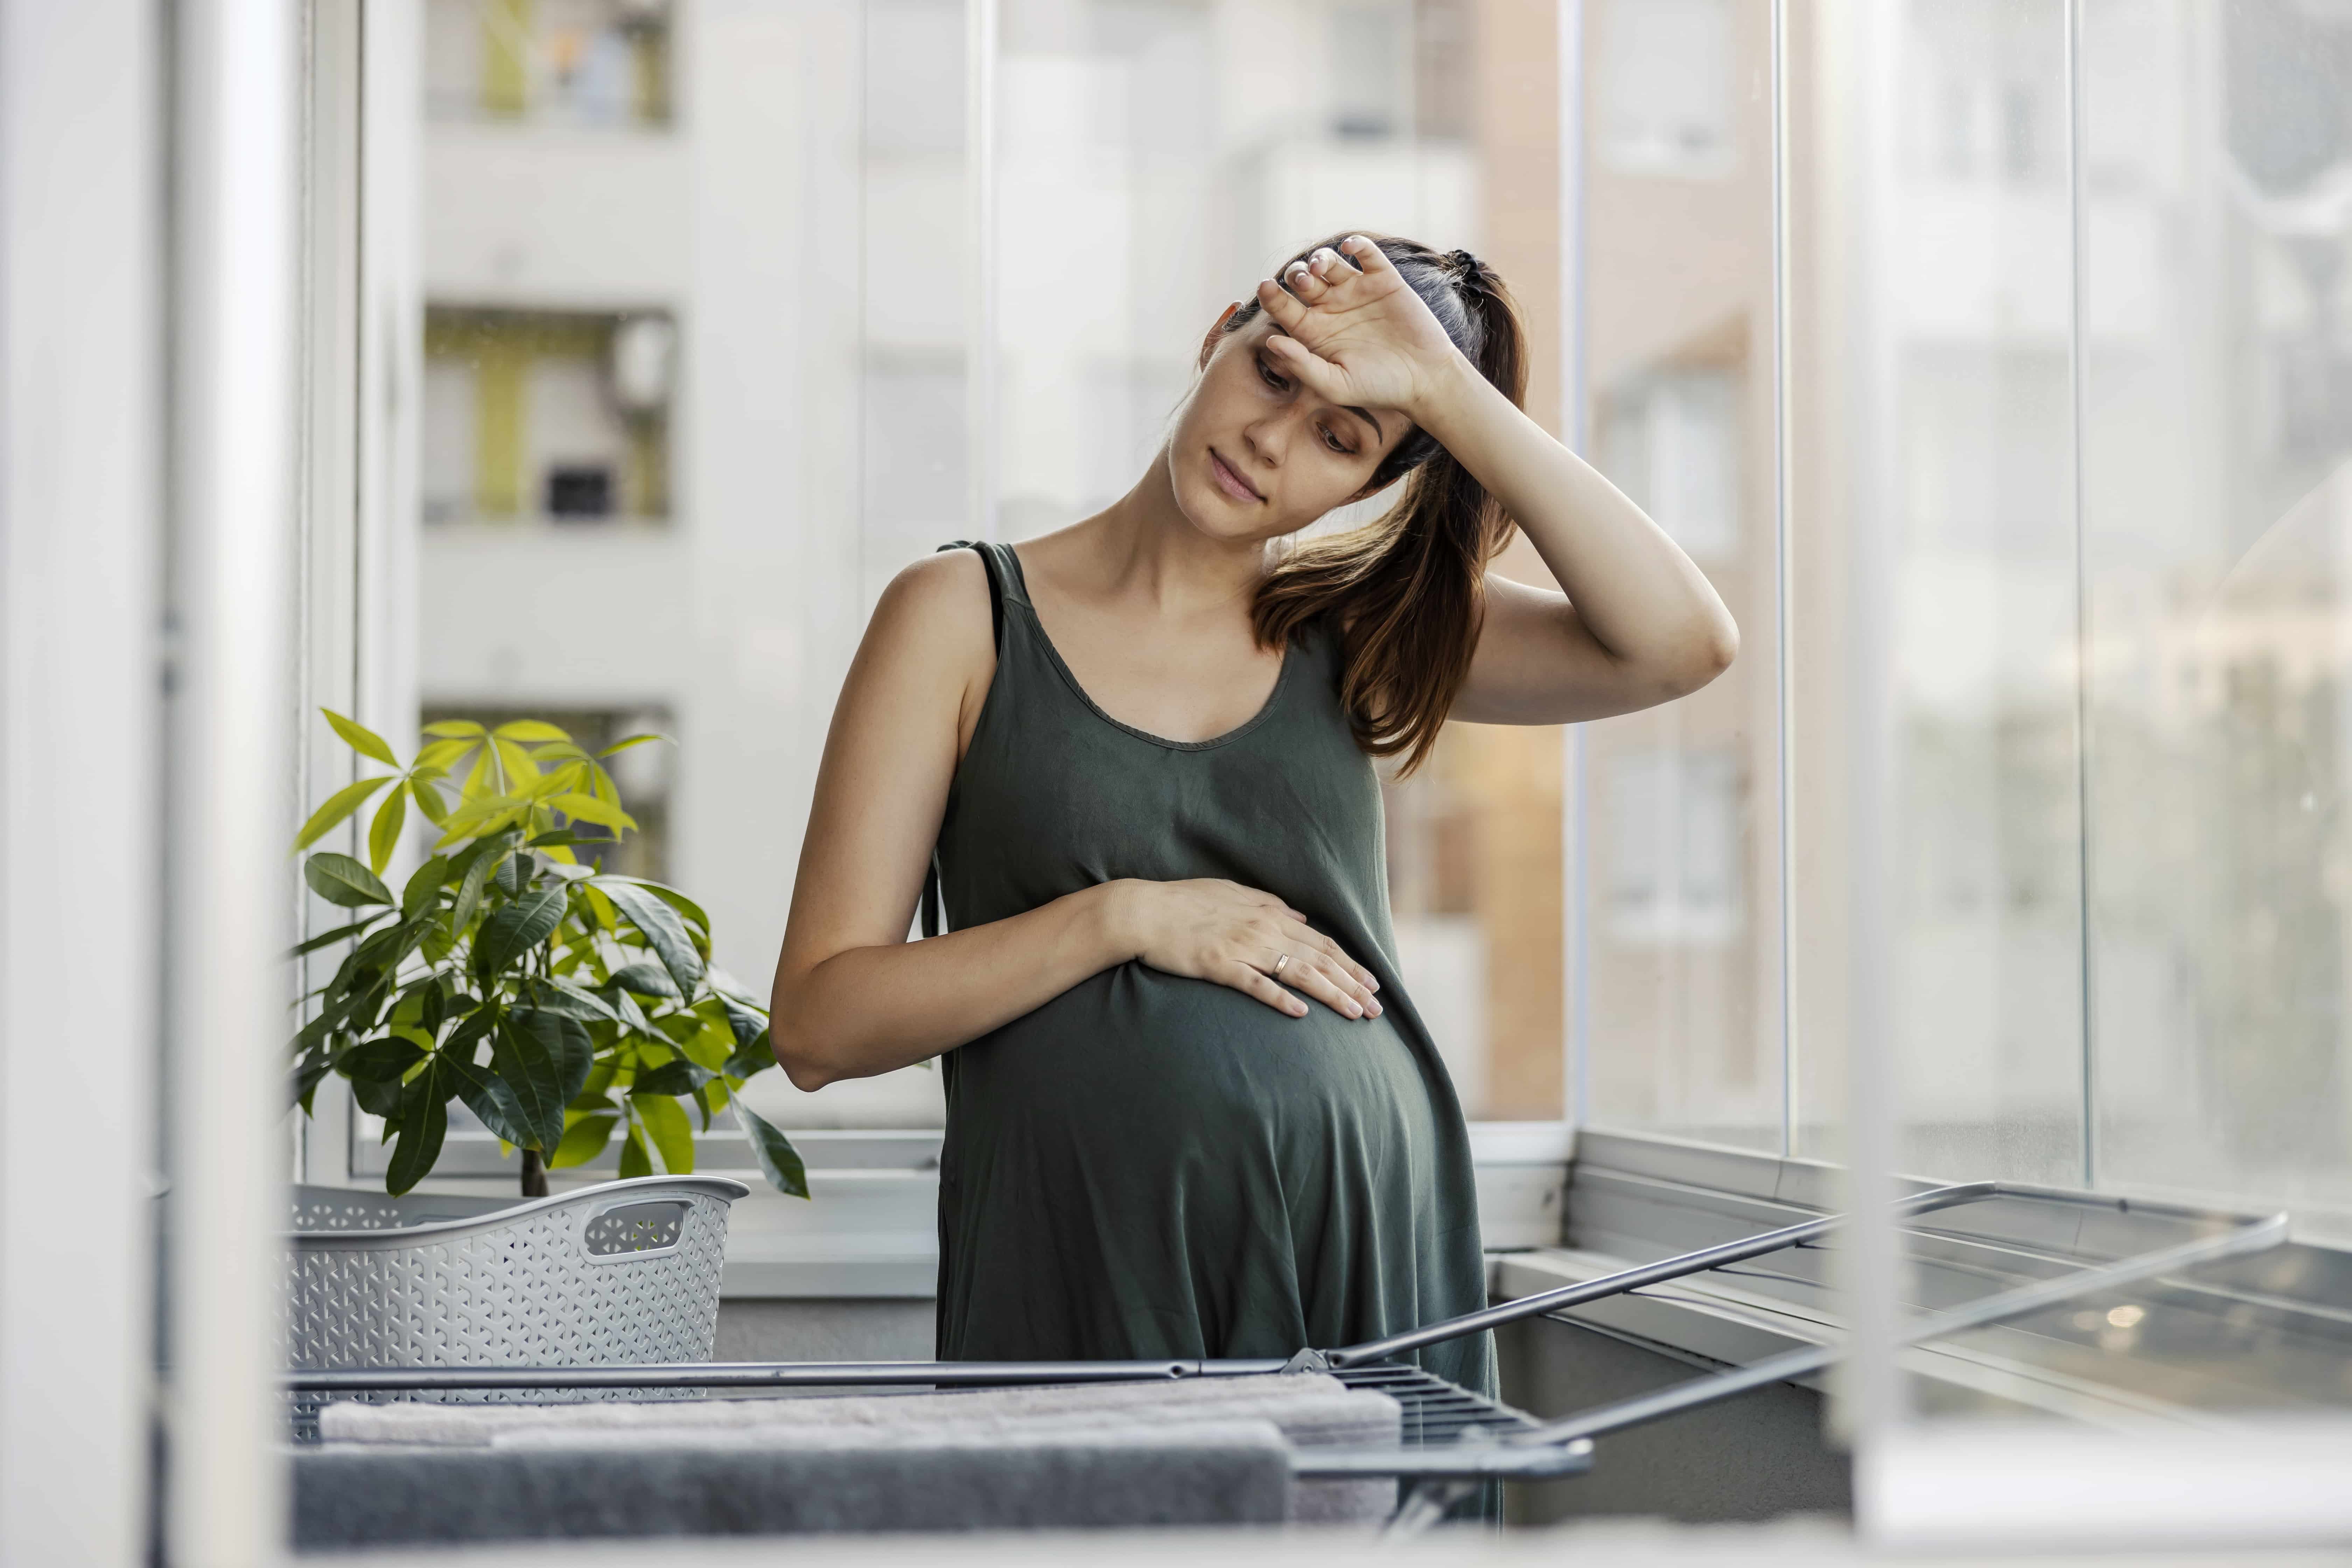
{"x":621,"y":1272}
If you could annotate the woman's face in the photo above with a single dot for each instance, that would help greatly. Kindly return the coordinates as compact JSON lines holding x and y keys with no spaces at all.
{"x":1254,"y":455}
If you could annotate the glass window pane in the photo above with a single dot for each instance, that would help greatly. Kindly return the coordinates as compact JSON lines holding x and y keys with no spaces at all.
{"x":2218,"y":527}
{"x":1931,"y":333}
{"x":1682,"y":893}
{"x":670,"y":445}
{"x":1155,"y":159}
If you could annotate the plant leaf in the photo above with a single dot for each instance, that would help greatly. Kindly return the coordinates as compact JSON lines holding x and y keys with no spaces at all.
{"x":583,"y":1140}
{"x":570,"y":1046}
{"x":424,"y":1122}
{"x":733,"y":990}
{"x":633,"y":1162}
{"x":307,"y":1074}
{"x":340,"y":805}
{"x":456,"y":730}
{"x":632,"y":1016}
{"x":469,"y":892}
{"x":519,"y":769}
{"x":488,"y":1096}
{"x":752,"y":1060}
{"x":749,"y":1024}
{"x":428,"y":801}
{"x":587,"y":808}
{"x":435,"y":1010}
{"x":383,"y":837}
{"x":621,"y":745}
{"x":360,"y":739}
{"x":480,"y":776}
{"x":677,"y":1076}
{"x":384,"y":1059}
{"x":664,"y":931}
{"x":516,"y":929}
{"x":645,"y":979}
{"x":712,"y":1046}
{"x":522,"y":1057}
{"x":437,"y":756}
{"x":696,"y":919}
{"x":423,"y":889}
{"x":377,"y":1097}
{"x":469,"y":1031}
{"x":779,"y":1161}
{"x":530,"y":730}
{"x":479,"y":816}
{"x":563,"y":998}
{"x":666,"y":1125}
{"x":329,"y":938}
{"x":340,"y":880}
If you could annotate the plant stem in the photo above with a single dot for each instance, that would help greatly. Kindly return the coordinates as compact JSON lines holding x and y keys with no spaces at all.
{"x":534,"y":1174}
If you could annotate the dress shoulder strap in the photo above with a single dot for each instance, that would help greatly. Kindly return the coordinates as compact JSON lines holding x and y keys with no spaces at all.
{"x":996,"y":583}
{"x":933,"y":912}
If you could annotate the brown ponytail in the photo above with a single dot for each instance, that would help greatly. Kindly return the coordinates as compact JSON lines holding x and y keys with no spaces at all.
{"x":1405,"y":593}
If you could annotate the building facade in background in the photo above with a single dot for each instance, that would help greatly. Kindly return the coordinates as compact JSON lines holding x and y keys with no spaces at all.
{"x":698,"y":381}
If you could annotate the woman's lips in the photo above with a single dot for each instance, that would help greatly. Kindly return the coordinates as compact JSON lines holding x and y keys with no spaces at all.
{"x":1231,"y":483}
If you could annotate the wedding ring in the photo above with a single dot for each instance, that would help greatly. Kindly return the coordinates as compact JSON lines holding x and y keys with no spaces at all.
{"x":1279,"y":962}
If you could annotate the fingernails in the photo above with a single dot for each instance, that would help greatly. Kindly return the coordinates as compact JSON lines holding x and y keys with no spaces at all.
{"x":1372,"y":1010}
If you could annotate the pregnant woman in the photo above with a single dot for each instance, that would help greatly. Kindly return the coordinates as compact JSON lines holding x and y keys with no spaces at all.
{"x":1190,"y":1110}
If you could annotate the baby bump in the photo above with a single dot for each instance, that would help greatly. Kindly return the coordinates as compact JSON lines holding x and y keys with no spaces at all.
{"x":1140,"y":1060}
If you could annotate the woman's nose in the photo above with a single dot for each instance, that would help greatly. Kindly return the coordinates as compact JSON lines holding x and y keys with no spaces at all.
{"x":1270,"y":436}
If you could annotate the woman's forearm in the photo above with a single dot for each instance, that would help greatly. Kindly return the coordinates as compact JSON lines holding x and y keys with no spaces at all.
{"x":1638,"y":594}
{"x":869,"y":1010}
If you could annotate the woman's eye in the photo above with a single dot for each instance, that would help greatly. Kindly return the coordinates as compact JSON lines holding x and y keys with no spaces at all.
{"x":1337,"y":445}
{"x":1272,"y":380}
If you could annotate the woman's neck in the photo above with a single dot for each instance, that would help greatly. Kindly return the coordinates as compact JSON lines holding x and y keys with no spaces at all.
{"x":1142,"y":550}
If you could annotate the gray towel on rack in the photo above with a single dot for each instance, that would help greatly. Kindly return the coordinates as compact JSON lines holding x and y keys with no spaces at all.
{"x":711,"y":1484}
{"x":1309,"y":1410}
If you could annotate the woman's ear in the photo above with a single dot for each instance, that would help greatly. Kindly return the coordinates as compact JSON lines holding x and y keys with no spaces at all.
{"x":1217,"y":331}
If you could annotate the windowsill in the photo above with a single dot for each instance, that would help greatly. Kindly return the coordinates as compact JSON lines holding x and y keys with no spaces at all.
{"x":871,"y":1229}
{"x":872,"y":1232}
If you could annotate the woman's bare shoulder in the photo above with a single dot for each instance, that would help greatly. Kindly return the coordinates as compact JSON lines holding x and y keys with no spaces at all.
{"x":932,"y":624}
{"x":940,"y":600}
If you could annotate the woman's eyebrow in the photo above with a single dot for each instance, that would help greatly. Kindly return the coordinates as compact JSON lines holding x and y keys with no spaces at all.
{"x":1366,"y":415}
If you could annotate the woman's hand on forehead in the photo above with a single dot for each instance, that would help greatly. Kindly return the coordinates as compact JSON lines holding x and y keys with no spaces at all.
{"x":1353,"y":332}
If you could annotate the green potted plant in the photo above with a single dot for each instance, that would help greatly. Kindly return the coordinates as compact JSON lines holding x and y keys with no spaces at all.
{"x":564,"y":1006}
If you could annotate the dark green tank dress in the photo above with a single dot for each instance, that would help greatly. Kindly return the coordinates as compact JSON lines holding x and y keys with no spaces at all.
{"x":1153,"y":1166}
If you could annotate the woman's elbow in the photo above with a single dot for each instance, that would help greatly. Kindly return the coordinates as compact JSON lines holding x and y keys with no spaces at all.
{"x":794,"y":1051}
{"x":1720,"y":646}
{"x":1706,"y":652}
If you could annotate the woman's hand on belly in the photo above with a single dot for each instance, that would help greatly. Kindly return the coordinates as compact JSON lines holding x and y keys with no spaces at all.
{"x":1223,"y":932}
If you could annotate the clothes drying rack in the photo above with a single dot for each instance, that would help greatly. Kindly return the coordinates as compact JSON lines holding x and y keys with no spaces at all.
{"x":1452,"y":1438}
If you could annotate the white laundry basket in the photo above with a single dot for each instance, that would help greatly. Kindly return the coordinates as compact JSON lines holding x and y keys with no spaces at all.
{"x":621,"y":1272}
